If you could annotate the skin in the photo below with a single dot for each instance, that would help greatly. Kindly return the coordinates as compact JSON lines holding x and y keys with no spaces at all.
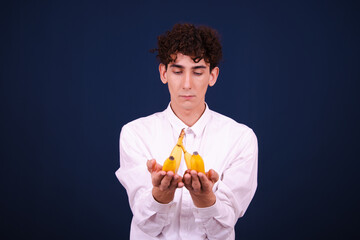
{"x":200,"y":187}
{"x":187,"y":82}
{"x":164,"y":183}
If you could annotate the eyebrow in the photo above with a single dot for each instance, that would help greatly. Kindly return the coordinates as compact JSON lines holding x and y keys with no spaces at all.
{"x":180,"y":66}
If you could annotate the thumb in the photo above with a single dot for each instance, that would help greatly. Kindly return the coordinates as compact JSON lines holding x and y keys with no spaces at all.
{"x":213,"y":176}
{"x":150,"y":165}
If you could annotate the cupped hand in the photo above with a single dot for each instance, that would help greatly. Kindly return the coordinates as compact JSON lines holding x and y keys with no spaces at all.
{"x":200,"y":186}
{"x":164,"y":183}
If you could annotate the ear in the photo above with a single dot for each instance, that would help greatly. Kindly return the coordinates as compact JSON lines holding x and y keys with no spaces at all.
{"x":213,"y":76}
{"x":162,"y":71}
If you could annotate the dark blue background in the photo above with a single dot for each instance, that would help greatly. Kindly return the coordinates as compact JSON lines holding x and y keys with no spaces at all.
{"x":74,"y":72}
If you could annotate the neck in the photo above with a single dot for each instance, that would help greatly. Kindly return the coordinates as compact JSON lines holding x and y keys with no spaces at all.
{"x":189,"y":116}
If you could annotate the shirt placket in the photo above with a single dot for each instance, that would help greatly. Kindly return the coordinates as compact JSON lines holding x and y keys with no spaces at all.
{"x":186,"y":214}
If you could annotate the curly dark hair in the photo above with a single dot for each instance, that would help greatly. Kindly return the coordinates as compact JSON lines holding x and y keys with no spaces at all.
{"x":200,"y":42}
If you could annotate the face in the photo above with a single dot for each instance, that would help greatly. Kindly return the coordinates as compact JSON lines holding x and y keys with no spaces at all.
{"x":188,"y":82}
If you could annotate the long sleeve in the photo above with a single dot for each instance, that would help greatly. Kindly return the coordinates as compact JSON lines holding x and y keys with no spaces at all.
{"x":226,"y":146}
{"x":234,"y":191}
{"x":149,"y":216}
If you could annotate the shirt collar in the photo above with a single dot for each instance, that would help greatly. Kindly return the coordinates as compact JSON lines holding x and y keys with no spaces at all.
{"x":197,"y":128}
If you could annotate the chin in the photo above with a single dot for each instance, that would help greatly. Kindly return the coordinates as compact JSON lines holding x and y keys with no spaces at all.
{"x":189,"y":105}
{"x":186,"y":105}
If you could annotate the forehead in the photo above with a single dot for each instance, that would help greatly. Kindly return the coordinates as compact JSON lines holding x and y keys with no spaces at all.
{"x":187,"y":61}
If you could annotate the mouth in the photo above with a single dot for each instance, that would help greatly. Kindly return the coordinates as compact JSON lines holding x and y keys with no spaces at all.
{"x":187,"y":97}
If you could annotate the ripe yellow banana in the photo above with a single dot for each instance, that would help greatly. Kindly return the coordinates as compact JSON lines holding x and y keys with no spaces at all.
{"x":197,"y":163}
{"x":169,"y":164}
{"x":177,"y":152}
{"x":187,"y":157}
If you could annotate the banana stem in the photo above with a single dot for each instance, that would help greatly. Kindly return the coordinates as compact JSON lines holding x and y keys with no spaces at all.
{"x":181,"y":137}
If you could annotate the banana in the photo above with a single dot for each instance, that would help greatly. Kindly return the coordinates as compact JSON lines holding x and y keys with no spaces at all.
{"x":193,"y":162}
{"x":187,"y":157}
{"x":177,"y":151}
{"x":169,"y":164}
{"x":197,"y":163}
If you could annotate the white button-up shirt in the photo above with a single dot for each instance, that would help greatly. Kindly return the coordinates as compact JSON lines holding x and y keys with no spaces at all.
{"x":226,"y":146}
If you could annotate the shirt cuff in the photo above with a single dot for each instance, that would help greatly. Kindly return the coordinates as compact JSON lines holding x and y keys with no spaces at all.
{"x":160,"y":207}
{"x":208,"y":212}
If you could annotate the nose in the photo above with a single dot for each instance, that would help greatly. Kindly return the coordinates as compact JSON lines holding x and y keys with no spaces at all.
{"x":187,"y":81}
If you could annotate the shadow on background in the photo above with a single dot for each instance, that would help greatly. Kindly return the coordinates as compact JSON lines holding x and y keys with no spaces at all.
{"x":74,"y":72}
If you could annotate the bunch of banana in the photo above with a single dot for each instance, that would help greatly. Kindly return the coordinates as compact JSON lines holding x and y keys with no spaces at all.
{"x":193,"y":162}
{"x":173,"y":162}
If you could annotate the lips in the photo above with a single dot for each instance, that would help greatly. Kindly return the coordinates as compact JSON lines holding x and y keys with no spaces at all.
{"x":187,"y":97}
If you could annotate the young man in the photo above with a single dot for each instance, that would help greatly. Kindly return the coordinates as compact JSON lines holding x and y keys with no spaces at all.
{"x":188,"y":205}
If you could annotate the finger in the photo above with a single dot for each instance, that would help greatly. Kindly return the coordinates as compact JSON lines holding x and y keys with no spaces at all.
{"x":213,"y":175}
{"x":150,"y":165}
{"x":165,"y":182}
{"x":174,"y":182}
{"x":157,"y":167}
{"x":206,"y":184}
{"x":195,"y":183}
{"x":180,"y":185}
{"x":157,"y":177}
{"x":180,"y":181}
{"x":187,"y":180}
